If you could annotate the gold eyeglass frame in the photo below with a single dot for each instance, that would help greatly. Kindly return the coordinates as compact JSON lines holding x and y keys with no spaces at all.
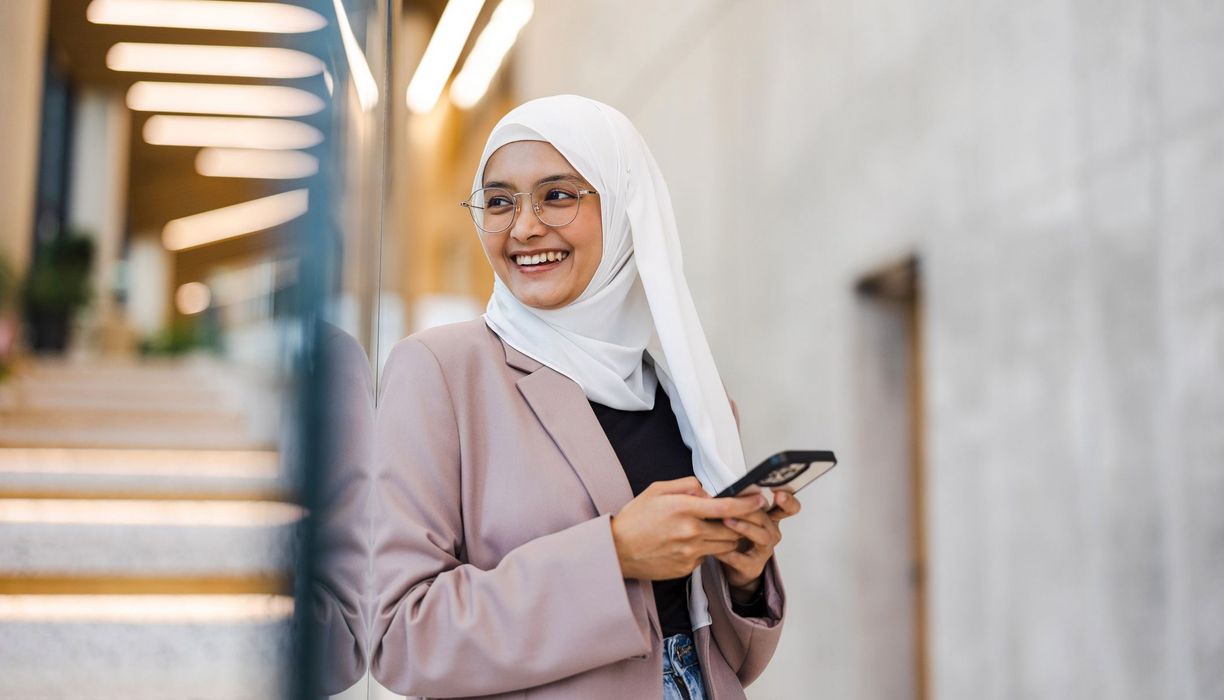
{"x":535,"y":206}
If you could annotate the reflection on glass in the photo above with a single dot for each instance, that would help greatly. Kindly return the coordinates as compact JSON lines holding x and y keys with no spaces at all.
{"x":197,"y":259}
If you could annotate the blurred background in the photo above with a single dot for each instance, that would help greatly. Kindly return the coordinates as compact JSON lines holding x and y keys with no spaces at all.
{"x":191,"y":205}
{"x":976,"y":248}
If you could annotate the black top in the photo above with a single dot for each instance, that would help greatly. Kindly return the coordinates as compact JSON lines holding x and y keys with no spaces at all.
{"x":649,"y":447}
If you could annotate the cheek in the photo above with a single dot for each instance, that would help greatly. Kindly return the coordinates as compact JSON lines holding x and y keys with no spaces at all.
{"x":494,"y":249}
{"x":590,"y":243}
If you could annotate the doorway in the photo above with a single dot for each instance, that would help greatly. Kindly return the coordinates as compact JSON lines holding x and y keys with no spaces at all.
{"x":890,"y":510}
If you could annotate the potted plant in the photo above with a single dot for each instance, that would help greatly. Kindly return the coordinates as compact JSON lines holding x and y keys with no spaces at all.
{"x":56,"y":287}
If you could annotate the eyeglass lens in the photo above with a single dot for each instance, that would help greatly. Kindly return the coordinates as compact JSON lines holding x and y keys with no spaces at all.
{"x":493,"y":208}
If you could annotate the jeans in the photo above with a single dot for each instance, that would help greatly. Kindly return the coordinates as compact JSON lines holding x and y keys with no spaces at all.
{"x":681,"y":670}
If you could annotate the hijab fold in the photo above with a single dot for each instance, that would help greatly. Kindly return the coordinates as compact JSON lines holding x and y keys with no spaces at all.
{"x":635,"y":324}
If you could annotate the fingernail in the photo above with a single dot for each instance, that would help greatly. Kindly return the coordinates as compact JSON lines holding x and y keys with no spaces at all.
{"x":763,"y":502}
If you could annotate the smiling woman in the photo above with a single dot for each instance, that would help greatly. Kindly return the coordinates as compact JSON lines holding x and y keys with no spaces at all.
{"x":545,"y":265}
{"x":544,"y":520}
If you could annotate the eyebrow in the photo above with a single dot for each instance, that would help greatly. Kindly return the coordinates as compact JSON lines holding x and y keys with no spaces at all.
{"x":550,"y":178}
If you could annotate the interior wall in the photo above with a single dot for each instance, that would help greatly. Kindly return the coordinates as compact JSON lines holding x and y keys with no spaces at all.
{"x":23,"y":28}
{"x":1057,"y":164}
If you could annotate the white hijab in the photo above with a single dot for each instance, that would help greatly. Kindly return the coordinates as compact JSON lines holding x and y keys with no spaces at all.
{"x":637,"y":302}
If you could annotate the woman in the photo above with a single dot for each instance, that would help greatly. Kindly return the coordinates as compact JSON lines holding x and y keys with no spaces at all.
{"x":543,"y":524}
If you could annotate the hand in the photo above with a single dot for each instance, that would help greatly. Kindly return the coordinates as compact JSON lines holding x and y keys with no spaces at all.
{"x":664,"y":532}
{"x":743,"y":566}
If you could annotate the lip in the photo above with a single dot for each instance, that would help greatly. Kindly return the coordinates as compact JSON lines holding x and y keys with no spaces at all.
{"x":540,"y":268}
{"x":537,"y":251}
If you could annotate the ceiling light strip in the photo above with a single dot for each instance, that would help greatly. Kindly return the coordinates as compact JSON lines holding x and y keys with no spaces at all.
{"x":219,"y":98}
{"x":195,"y":59}
{"x":255,"y":163}
{"x":359,"y":68}
{"x":224,"y":15}
{"x":229,"y":132}
{"x":490,"y":51}
{"x":442,"y":54}
{"x":236,"y":220}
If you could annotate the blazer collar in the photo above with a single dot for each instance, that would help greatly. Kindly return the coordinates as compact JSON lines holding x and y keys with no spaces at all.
{"x":564,"y":411}
{"x":516,"y":359}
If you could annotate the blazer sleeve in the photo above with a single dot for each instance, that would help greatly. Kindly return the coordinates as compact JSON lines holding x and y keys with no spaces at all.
{"x":340,"y":580}
{"x":553,"y":607}
{"x":747,"y":643}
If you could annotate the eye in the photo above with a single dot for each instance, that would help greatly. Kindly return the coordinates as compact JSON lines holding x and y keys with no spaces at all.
{"x":560,"y":193}
{"x":499,"y":201}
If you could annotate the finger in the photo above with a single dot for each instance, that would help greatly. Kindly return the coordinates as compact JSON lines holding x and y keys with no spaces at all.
{"x":718,"y":548}
{"x":715,"y":531}
{"x":760,"y":535}
{"x":775,"y":531}
{"x":687,"y":485}
{"x":742,"y":563}
{"x":768,"y":522}
{"x":759,"y":517}
{"x":785,"y":505}
{"x":726,"y":507}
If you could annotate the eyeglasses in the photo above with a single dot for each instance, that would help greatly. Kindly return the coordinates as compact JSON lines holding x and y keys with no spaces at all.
{"x":555,"y":203}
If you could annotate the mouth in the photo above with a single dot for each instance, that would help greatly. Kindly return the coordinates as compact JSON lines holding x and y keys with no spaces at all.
{"x":540,"y":262}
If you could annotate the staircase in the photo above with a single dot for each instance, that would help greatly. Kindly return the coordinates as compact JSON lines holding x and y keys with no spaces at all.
{"x":146,"y":532}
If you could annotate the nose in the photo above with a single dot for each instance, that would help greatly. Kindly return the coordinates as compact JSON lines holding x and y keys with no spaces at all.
{"x":526,"y":223}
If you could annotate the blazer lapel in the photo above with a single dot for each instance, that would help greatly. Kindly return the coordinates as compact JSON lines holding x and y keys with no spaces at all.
{"x":566,"y":415}
{"x":562,"y":408}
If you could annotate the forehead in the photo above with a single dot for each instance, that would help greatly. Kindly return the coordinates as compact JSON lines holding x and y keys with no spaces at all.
{"x":525,"y":162}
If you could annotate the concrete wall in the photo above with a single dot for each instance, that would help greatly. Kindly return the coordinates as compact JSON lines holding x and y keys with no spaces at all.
{"x":1058,"y":165}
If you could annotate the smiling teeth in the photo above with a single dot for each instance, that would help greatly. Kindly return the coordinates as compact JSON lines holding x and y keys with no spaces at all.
{"x":550,"y":256}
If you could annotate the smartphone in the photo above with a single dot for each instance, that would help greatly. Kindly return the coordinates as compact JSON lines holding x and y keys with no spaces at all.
{"x":785,"y":471}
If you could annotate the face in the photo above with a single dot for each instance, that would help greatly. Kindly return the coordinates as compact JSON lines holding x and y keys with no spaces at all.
{"x":518,"y":167}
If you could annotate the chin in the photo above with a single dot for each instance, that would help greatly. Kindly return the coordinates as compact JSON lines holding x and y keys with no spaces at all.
{"x":542,"y":301}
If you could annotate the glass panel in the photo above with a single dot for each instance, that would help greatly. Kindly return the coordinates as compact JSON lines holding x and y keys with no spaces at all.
{"x":188,"y":285}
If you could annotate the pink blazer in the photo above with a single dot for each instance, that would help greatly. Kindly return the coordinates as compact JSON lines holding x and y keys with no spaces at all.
{"x":494,"y":570}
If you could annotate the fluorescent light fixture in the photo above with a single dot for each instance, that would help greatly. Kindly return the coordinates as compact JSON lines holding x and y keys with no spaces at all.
{"x":230,"y":61}
{"x":359,"y":68}
{"x":489,"y":51}
{"x":147,"y":609}
{"x":219,"y":98}
{"x":227,"y":15}
{"x":232,"y":221}
{"x":441,"y":54}
{"x":192,"y":298}
{"x":255,"y":163}
{"x":229,"y":132}
{"x":120,"y":511}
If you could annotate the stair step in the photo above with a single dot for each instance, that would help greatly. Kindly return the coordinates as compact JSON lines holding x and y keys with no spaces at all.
{"x":143,"y":538}
{"x":50,"y":472}
{"x":121,"y":369}
{"x":145,"y":646}
{"x":131,"y":396}
{"x":46,"y":584}
{"x":62,"y":428}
